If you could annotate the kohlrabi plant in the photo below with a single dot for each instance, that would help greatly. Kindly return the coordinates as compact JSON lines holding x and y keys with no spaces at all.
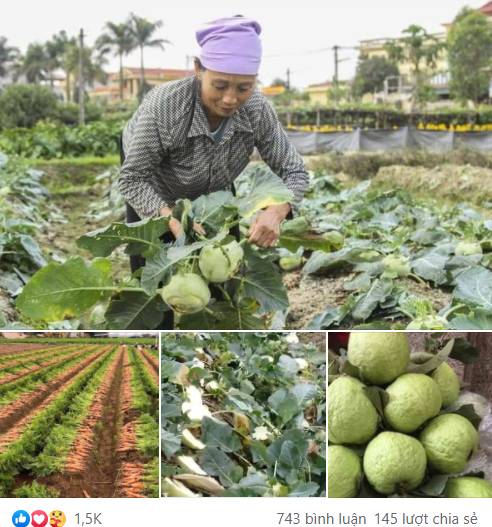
{"x":246,"y":283}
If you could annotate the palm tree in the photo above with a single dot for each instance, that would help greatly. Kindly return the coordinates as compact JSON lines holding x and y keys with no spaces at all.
{"x":92,"y":63}
{"x":35,"y":64}
{"x":55,"y":50}
{"x":143,"y":31}
{"x":8,"y":55}
{"x":119,"y":40}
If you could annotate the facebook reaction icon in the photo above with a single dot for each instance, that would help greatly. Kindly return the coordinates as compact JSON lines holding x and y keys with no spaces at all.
{"x":21,"y":519}
{"x":57,"y":519}
{"x":39,"y":519}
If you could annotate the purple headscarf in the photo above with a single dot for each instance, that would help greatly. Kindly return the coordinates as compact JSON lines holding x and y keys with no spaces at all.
{"x":231,"y":45}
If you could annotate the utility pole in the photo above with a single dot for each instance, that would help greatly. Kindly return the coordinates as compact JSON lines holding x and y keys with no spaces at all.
{"x":81,"y":78}
{"x":335,"y":78}
{"x":288,"y":79}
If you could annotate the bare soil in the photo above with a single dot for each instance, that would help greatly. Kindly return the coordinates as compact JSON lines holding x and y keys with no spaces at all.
{"x":151,"y":365}
{"x":91,"y":468}
{"x":309,"y":296}
{"x":23,"y":410}
{"x":19,"y":347}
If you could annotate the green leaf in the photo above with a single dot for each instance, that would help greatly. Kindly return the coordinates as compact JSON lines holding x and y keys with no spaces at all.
{"x":214,"y":210}
{"x":222,"y":315}
{"x":237,"y":400}
{"x":32,"y":249}
{"x":177,"y":253}
{"x":303,"y":392}
{"x":142,"y":237}
{"x":431,"y":266}
{"x":474,"y":286}
{"x":378,"y":397}
{"x":464,"y":351}
{"x":217,"y":463}
{"x":170,"y":443}
{"x":267,"y":189}
{"x":159,"y":266}
{"x":298,"y":233}
{"x":256,"y":483}
{"x":367,"y":302}
{"x":468,"y":411}
{"x":434,"y":361}
{"x":157,"y":269}
{"x":472,"y":322}
{"x":434,"y":487}
{"x":216,"y":433}
{"x":263,"y":283}
{"x":284,"y":404}
{"x":304,"y":490}
{"x":66,"y":290}
{"x":288,"y":366}
{"x":135,"y":310}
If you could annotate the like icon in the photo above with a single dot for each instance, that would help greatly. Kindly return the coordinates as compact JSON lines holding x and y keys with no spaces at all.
{"x":39,"y":519}
{"x":21,"y":518}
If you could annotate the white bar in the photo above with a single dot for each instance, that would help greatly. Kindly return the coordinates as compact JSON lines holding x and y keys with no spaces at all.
{"x":259,"y":512}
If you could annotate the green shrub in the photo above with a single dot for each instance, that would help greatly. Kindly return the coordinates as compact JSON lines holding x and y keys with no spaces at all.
{"x":23,"y":105}
{"x":68,"y":113}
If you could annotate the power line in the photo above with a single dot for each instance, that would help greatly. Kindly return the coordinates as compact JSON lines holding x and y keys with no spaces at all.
{"x":307,"y":52}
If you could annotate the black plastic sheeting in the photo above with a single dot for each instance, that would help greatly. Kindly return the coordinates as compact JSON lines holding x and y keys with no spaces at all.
{"x":383,"y":140}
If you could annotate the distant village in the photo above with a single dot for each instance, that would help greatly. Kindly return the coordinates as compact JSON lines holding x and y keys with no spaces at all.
{"x":57,"y":64}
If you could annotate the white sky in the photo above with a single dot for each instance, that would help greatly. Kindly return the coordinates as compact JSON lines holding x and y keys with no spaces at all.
{"x":291,"y":31}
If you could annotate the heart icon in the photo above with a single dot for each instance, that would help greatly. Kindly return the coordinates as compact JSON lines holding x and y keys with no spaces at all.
{"x":39,"y":519}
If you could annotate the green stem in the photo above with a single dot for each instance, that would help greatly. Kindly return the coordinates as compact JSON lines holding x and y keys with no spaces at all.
{"x":227,"y":296}
{"x":418,"y":279}
{"x":116,"y":289}
{"x":452,"y":310}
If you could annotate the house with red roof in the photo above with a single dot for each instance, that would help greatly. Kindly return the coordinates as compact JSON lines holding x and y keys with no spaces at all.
{"x":131,"y":82}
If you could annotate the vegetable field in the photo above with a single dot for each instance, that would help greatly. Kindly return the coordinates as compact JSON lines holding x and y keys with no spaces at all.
{"x":78,"y":420}
{"x":364,"y":250}
{"x":243,"y":414}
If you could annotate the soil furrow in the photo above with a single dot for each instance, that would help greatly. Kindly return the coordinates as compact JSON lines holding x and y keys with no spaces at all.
{"x":32,"y":356}
{"x":83,"y":447}
{"x":21,"y":411}
{"x":95,"y":474}
{"x":6,"y":349}
{"x":131,"y":469}
{"x":33,"y":369}
{"x":150,"y":369}
{"x":150,"y":359}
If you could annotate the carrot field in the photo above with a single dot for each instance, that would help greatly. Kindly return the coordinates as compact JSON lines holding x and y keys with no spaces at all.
{"x":78,"y":420}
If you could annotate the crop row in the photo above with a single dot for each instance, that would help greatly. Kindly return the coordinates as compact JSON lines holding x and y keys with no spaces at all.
{"x":42,"y":358}
{"x":10,"y":391}
{"x":63,"y":435}
{"x":13,"y":412}
{"x":21,"y":453}
{"x":140,"y":434}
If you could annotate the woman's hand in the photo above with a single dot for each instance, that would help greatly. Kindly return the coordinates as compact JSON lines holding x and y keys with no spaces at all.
{"x":175,"y":225}
{"x":265,"y":228}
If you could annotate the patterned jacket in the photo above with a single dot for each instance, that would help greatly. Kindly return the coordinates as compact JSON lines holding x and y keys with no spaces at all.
{"x":170,"y":153}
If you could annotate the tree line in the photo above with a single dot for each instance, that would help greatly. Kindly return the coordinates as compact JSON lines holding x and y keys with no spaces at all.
{"x":468,"y":46}
{"x":41,"y":60}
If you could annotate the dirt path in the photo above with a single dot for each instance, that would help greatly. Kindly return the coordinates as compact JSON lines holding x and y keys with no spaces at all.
{"x":75,"y":201}
{"x":151,"y":366}
{"x":22,"y":410}
{"x":91,"y":468}
{"x":18,"y":415}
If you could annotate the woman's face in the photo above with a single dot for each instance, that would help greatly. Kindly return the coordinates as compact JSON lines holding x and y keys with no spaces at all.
{"x":223,"y":93}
